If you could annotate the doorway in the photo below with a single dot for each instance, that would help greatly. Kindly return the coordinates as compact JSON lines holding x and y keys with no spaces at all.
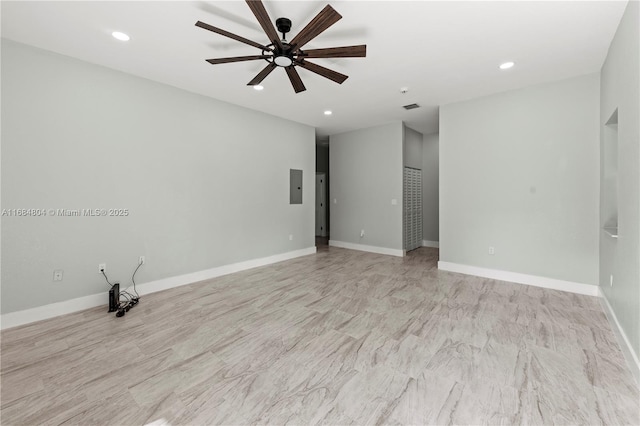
{"x":322,"y":193}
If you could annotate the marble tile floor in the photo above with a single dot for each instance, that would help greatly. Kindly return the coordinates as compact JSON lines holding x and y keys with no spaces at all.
{"x":339,"y":337}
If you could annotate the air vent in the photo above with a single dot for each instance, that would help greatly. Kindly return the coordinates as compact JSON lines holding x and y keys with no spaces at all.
{"x":411,"y":106}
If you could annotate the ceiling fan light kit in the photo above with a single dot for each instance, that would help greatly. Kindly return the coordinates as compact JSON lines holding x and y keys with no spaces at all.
{"x":289,"y":54}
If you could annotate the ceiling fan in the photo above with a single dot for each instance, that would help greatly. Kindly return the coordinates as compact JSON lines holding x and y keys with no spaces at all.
{"x":289,"y":54}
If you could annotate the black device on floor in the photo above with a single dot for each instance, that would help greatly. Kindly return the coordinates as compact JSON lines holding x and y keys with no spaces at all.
{"x":131,"y":300}
{"x":114,"y":297}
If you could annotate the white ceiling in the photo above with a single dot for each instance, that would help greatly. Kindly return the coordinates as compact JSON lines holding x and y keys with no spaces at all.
{"x":442,"y":51}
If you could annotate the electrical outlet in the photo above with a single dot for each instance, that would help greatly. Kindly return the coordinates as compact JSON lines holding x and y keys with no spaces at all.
{"x":102,"y":267}
{"x":290,"y":237}
{"x":141,"y":260}
{"x":361,"y":233}
{"x":611,"y":280}
{"x":492,"y":250}
{"x":57,"y":274}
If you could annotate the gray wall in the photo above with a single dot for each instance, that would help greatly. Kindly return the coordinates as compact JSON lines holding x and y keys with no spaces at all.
{"x":430,"y":187}
{"x":366,"y":174}
{"x":620,"y":88}
{"x":412,"y":148}
{"x":203,"y":187}
{"x":519,"y":172}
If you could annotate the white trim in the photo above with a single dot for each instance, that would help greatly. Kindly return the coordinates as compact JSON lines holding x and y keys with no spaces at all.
{"x":14,"y":319}
{"x":426,"y":243}
{"x":515,"y":277}
{"x":371,"y":249}
{"x":625,"y":345}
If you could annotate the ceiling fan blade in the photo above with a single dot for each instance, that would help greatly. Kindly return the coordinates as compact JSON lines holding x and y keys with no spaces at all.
{"x":337,"y":52}
{"x":236,"y":59}
{"x":325,"y":72}
{"x":262,"y":74}
{"x":262,"y":16}
{"x":323,"y":20}
{"x":231,"y":35}
{"x":295,"y":79}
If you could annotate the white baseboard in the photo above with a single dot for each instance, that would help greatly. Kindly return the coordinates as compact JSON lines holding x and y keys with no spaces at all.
{"x":632,"y":358}
{"x":14,"y":319}
{"x":371,"y":249}
{"x":515,"y":277}
{"x":426,"y":243}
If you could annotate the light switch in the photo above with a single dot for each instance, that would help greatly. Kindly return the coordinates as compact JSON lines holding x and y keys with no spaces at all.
{"x":394,"y":202}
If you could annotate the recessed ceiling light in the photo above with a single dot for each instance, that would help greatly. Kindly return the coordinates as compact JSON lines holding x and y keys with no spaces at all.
{"x":507,"y":65}
{"x":327,"y":112}
{"x":120,"y":36}
{"x":258,"y":87}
